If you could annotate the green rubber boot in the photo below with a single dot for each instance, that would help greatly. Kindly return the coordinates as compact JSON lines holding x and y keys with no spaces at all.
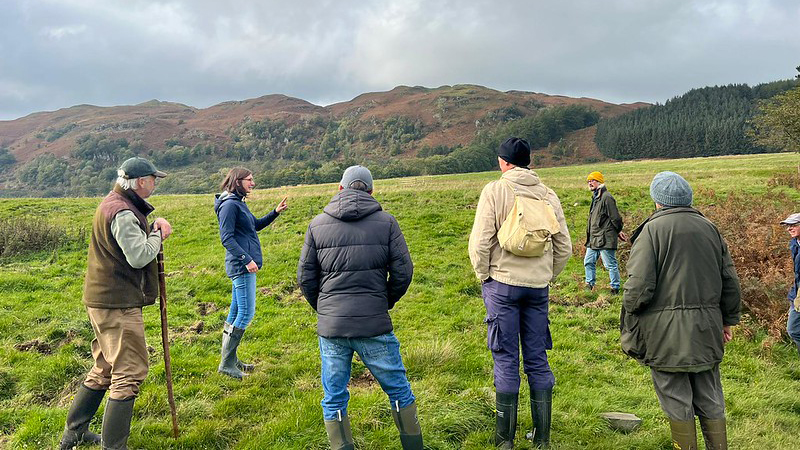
{"x":506,"y":425}
{"x":714,"y":433}
{"x":339,"y":434}
{"x":231,"y":336}
{"x":408,"y":425}
{"x":83,"y":408}
{"x":117,"y":424}
{"x":684,"y":434}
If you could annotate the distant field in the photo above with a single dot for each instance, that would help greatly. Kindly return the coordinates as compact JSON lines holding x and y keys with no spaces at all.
{"x":45,"y":334}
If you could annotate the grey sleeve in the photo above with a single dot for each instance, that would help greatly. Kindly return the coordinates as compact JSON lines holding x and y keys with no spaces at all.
{"x":138,"y":247}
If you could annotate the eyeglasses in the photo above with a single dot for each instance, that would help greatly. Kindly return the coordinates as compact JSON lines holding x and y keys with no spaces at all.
{"x":794,"y":225}
{"x":246,"y":179}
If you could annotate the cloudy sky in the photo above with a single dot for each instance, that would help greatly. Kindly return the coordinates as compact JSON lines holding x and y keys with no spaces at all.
{"x":59,"y":53}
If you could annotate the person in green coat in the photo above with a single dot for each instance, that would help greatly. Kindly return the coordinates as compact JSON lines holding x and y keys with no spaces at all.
{"x":680,"y":300}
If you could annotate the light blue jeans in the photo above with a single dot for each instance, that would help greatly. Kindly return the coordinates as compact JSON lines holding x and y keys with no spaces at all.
{"x":381,"y":355}
{"x":243,"y":300}
{"x":609,"y":260}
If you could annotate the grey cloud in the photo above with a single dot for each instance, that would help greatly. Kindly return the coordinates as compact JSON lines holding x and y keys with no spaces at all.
{"x":55,"y":54}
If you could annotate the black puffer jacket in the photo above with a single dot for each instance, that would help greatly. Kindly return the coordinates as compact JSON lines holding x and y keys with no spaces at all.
{"x":354,"y":266}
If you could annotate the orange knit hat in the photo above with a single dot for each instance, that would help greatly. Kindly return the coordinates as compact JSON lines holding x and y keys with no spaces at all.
{"x":597,"y":176}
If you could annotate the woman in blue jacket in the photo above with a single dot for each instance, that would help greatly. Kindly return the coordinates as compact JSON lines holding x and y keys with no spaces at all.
{"x":238,"y":229}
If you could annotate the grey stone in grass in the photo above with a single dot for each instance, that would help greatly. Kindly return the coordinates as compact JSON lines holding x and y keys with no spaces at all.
{"x":620,"y":421}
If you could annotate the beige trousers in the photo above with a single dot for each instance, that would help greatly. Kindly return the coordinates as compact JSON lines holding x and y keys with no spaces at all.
{"x":119,"y":351}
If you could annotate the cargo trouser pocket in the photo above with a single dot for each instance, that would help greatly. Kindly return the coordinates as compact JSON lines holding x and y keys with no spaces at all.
{"x":493,"y":332}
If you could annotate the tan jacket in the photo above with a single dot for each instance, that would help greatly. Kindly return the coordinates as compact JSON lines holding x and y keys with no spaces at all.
{"x":489,"y":260}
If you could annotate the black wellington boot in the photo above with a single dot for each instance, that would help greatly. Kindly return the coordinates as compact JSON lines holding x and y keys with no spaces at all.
{"x":506,"y":425}
{"x":231,"y":336}
{"x":83,"y":408}
{"x":117,"y":424}
{"x":339,"y":434}
{"x":408,"y":425}
{"x":714,"y":433}
{"x":541,"y":413}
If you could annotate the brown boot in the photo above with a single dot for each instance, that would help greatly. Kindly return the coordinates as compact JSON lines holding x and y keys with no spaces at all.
{"x":714,"y":433}
{"x":684,"y":434}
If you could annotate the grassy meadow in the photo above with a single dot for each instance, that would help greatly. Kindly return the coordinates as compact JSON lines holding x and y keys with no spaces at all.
{"x":45,"y":335}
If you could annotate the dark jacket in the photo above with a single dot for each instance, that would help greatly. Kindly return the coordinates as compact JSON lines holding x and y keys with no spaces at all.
{"x":238,"y":229}
{"x":605,"y":222}
{"x":794,"y":247}
{"x":354,"y":266}
{"x":682,"y":289}
{"x":110,"y":281}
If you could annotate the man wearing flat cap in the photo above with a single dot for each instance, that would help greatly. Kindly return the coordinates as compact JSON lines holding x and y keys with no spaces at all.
{"x":515,"y":292}
{"x":121,"y":278}
{"x":681,"y":299}
{"x":603,"y":231}
{"x":792,"y":224}
{"x":354,"y":267}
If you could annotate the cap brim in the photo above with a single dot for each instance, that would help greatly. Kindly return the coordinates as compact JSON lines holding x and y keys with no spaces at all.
{"x":159,"y":174}
{"x":790,"y":222}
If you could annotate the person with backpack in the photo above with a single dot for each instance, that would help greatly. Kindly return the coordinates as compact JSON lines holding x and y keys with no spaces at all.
{"x":238,"y":231}
{"x":681,"y":300}
{"x":518,"y":245}
{"x":354,"y":267}
{"x":602,"y":233}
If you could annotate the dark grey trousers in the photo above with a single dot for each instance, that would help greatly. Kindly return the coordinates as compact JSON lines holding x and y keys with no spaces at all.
{"x":685,"y":394}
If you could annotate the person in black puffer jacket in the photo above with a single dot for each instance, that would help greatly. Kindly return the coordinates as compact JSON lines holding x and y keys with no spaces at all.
{"x":353,"y":268}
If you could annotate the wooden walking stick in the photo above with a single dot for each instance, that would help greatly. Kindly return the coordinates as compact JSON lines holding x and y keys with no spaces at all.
{"x":162,"y":290}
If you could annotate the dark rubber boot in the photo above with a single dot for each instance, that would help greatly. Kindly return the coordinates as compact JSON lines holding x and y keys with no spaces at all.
{"x":541,"y":413}
{"x":83,"y":408}
{"x":117,"y":424}
{"x":714,"y":433}
{"x":798,"y":347}
{"x":241,"y":365}
{"x":231,"y":336}
{"x":506,"y":425}
{"x":339,"y":434}
{"x":408,"y":425}
{"x":684,"y":434}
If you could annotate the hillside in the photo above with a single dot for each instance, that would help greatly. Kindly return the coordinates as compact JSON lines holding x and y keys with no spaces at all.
{"x":45,"y":335}
{"x":276,"y":133}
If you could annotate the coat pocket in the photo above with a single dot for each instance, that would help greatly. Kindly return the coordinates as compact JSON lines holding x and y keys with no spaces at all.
{"x":493,"y":332}
{"x":630,"y":336}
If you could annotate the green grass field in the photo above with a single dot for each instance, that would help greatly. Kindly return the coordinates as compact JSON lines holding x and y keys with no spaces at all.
{"x":45,"y":334}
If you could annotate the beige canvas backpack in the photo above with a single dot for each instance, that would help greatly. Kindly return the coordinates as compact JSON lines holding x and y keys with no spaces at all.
{"x":528,"y":228}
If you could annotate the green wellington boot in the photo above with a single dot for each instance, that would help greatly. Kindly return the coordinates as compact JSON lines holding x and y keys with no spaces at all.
{"x":506,"y":425}
{"x":231,"y":336}
{"x":714,"y":433}
{"x":339,"y":434}
{"x":241,"y":365}
{"x":117,"y":424}
{"x":684,"y":434}
{"x":76,"y":430}
{"x":541,"y":413}
{"x":408,"y":425}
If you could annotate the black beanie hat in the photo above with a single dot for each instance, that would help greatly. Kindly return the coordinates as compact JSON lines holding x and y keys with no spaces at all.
{"x":515,"y":151}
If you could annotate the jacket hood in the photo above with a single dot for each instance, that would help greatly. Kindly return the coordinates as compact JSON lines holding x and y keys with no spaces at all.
{"x":350,"y":205}
{"x":525,"y":177}
{"x":222,"y":198}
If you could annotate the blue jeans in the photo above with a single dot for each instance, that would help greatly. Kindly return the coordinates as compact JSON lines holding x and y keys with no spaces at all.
{"x":381,"y":355}
{"x":793,"y":325}
{"x":243,"y":300}
{"x":517,"y":314}
{"x":609,"y":260}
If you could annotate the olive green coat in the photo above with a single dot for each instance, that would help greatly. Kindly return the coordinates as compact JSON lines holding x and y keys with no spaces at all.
{"x":682,"y":289}
{"x":605,"y":222}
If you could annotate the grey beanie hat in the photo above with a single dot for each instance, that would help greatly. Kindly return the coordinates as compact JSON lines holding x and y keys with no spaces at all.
{"x":356,"y":173}
{"x":670,"y":189}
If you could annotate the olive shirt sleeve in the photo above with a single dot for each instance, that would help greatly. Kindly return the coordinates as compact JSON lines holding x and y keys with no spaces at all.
{"x":731,"y":298}
{"x":138,"y":247}
{"x":613,"y":213}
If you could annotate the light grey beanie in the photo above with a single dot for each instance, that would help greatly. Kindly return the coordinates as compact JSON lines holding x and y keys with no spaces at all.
{"x":356,"y":173}
{"x":670,"y":189}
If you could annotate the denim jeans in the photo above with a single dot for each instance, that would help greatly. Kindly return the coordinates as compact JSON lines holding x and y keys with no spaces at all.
{"x":243,"y":300}
{"x":793,"y":324}
{"x":514,"y":314}
{"x":381,"y":355}
{"x":609,"y":260}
